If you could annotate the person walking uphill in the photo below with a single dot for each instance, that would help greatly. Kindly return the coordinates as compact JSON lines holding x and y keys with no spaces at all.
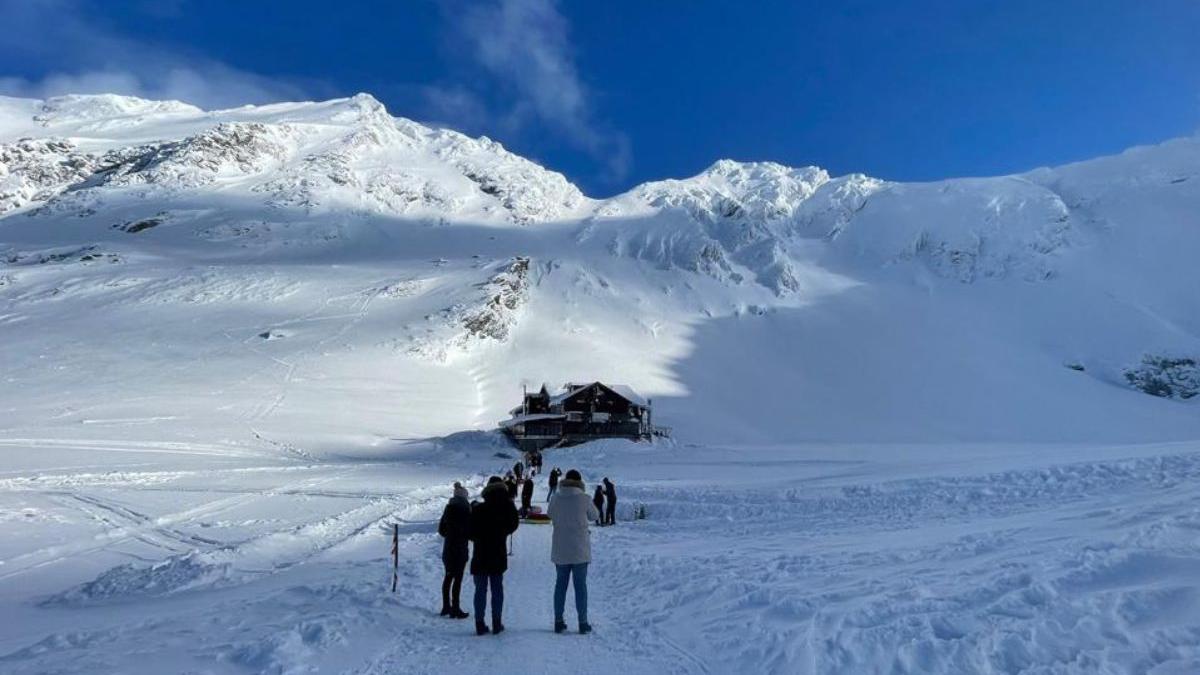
{"x":510,"y":484}
{"x":492,"y":521}
{"x":455,"y":528}
{"x":610,"y":496}
{"x":571,"y":547}
{"x":553,"y":482}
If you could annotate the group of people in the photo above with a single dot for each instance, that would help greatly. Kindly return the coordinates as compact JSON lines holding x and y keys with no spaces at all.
{"x":488,"y":524}
{"x":604,"y":498}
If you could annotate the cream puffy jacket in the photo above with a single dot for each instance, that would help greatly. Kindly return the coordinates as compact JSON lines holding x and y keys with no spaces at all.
{"x":571,"y":511}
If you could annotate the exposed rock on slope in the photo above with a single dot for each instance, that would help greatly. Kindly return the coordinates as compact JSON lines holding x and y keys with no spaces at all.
{"x":35,"y":170}
{"x":507,"y":292}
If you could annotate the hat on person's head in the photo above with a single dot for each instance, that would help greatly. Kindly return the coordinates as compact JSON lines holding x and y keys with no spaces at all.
{"x":460,"y":491}
{"x":573,"y":475}
{"x":495,"y":479}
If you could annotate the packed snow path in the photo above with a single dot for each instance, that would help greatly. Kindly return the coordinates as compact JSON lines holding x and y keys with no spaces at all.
{"x":1003,"y":559}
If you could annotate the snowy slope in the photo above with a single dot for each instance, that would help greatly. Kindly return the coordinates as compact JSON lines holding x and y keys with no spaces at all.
{"x":943,"y":427}
{"x":869,"y":303}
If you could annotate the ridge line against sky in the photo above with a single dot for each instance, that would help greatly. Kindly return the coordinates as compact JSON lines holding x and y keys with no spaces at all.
{"x":618,"y":94}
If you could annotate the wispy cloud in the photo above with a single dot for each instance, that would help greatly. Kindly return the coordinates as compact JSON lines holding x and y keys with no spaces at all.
{"x":523,"y":80}
{"x":59,"y":35}
{"x":524,"y":45}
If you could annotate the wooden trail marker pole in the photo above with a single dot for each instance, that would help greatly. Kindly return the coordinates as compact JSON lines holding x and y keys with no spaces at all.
{"x":395,"y":555}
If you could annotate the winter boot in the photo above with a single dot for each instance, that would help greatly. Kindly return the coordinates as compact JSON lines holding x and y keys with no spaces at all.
{"x":445,"y":611}
{"x":585,"y":628}
{"x":497,"y":628}
{"x":560,"y":626}
{"x":481,"y":628}
{"x":457,"y":613}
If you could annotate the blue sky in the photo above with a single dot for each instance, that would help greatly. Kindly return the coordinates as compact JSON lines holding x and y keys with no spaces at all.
{"x":616,"y":93}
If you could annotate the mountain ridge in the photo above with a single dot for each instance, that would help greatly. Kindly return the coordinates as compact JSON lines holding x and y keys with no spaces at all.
{"x":464,"y":266}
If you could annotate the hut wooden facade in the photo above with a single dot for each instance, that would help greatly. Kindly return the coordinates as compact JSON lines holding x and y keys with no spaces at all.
{"x":580,"y":413}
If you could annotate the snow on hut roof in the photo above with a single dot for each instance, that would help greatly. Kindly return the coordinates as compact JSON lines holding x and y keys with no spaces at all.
{"x":521,"y":419}
{"x":628,"y":393}
{"x":623,"y":390}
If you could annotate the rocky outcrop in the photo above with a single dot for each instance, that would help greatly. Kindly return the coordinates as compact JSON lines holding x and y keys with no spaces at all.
{"x":35,"y":170}
{"x":1165,"y":376}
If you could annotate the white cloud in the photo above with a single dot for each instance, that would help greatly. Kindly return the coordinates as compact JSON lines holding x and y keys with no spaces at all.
{"x":525,"y":46}
{"x":58,"y":31}
{"x":211,"y":86}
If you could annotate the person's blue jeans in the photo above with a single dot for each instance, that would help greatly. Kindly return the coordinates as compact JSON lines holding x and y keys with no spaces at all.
{"x":481,"y":587}
{"x":565,"y":572}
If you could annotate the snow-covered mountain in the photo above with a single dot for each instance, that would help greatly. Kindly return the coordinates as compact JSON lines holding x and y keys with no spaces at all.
{"x":942,"y":427}
{"x":412,"y":278}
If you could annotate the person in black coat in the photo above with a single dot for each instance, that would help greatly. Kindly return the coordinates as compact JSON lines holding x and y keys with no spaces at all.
{"x":553,"y":482}
{"x":510,"y":484}
{"x":598,"y":500}
{"x":455,"y":528}
{"x":492,"y":521}
{"x":610,"y":495}
{"x":526,"y":496}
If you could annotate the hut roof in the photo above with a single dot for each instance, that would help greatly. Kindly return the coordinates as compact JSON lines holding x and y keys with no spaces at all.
{"x":623,"y":390}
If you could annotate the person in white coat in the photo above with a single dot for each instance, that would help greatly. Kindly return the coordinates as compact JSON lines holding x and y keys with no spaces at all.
{"x":571,"y":511}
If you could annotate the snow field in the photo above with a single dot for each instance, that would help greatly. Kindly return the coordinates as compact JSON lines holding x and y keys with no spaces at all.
{"x":799,"y":559}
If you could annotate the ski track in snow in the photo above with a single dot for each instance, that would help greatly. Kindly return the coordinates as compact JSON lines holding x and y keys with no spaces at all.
{"x":1081,"y":567}
{"x":122,"y":523}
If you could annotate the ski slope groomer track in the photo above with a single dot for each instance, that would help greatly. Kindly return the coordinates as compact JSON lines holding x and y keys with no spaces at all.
{"x":783,"y":559}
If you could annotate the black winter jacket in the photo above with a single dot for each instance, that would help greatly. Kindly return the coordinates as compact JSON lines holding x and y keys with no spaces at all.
{"x":455,"y":528}
{"x":492,"y":520}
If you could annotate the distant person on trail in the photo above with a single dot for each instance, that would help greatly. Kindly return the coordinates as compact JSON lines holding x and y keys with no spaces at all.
{"x":526,"y":496}
{"x":518,"y":469}
{"x":510,"y":484}
{"x":598,"y":502}
{"x":492,"y":521}
{"x":610,"y":495}
{"x":455,"y":528}
{"x":571,"y":547}
{"x":553,"y":482}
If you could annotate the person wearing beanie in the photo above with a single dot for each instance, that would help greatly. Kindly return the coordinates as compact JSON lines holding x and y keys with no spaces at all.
{"x":492,"y":521}
{"x":454,"y":527}
{"x":571,"y":547}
